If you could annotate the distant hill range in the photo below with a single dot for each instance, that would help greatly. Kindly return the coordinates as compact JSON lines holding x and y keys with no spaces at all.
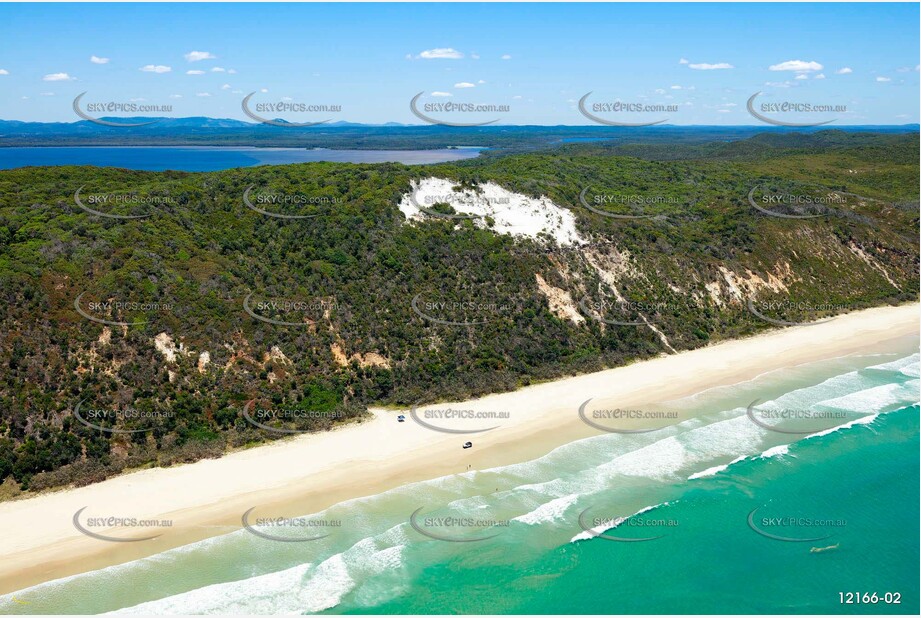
{"x":162,"y":122}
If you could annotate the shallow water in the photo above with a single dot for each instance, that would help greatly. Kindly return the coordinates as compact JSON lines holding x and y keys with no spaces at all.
{"x":212,"y":158}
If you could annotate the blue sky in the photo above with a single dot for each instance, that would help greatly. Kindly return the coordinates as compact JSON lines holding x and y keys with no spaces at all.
{"x":538,"y":59}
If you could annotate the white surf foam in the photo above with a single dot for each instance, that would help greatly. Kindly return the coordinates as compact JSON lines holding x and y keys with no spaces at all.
{"x":775,"y":451}
{"x":551,"y":511}
{"x":253,"y":595}
{"x":716,"y":469}
{"x":875,"y":399}
{"x":908,"y":366}
{"x":591,"y":533}
{"x":300,"y":589}
{"x":863,"y":420}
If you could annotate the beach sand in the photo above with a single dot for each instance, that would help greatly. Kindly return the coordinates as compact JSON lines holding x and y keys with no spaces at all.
{"x":308,"y":473}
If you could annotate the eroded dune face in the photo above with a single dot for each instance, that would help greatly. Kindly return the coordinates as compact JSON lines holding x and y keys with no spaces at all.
{"x":511,"y":213}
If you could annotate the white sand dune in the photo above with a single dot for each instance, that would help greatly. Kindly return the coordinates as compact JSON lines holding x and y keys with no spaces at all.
{"x":510,"y":212}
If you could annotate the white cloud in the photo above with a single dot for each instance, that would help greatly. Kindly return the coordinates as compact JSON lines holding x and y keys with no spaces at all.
{"x":98,"y":60}
{"x":676,"y":87}
{"x":58,"y":77}
{"x":506,"y":57}
{"x":203,"y":94}
{"x":218,"y":70}
{"x":155,"y":68}
{"x":231,"y":71}
{"x":137,"y":100}
{"x":464,"y":85}
{"x":481,"y":81}
{"x":236,"y":92}
{"x":4,"y":72}
{"x":440,"y":53}
{"x":778,"y":84}
{"x":225,"y":87}
{"x":175,"y":96}
{"x":711,"y":67}
{"x":516,"y":97}
{"x":800,"y":66}
{"x":683,"y":61}
{"x":883,"y":79}
{"x":475,"y":56}
{"x":194,"y":72}
{"x":264,"y":90}
{"x":195,"y":56}
{"x":801,"y":76}
{"x":287,"y":99}
{"x":819,"y":76}
{"x":441,"y":94}
{"x":47,"y":94}
{"x":660,"y":91}
{"x":844,"y":71}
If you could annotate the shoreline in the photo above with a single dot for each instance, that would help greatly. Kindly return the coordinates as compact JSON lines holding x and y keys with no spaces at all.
{"x":313,"y":471}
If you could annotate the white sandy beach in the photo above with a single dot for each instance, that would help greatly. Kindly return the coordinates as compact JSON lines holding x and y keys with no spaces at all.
{"x":309,"y":472}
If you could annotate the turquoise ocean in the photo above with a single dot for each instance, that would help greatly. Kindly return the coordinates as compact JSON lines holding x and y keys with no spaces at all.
{"x":714,"y":515}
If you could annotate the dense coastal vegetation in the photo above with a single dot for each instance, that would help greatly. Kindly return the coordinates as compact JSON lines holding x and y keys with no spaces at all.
{"x":198,"y":263}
